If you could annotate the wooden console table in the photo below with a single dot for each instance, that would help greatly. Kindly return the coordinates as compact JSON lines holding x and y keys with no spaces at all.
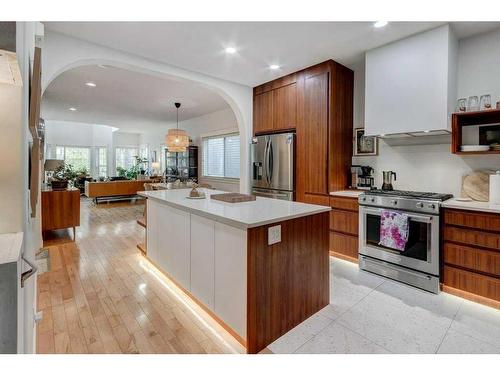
{"x":60,"y":209}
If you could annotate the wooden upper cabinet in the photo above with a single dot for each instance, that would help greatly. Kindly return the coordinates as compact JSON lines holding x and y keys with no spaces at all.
{"x":263,"y":112}
{"x":285,"y":107}
{"x":315,"y":133}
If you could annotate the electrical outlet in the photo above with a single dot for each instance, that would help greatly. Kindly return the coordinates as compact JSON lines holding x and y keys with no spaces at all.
{"x":274,"y":234}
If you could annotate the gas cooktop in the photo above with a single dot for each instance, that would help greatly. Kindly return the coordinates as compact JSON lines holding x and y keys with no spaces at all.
{"x":410,"y":194}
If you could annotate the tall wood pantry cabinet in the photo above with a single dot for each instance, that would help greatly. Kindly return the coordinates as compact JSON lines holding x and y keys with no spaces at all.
{"x":317,"y":103}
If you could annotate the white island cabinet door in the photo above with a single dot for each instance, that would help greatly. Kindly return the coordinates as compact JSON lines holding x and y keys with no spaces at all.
{"x":174,"y":244}
{"x":202,"y":260}
{"x":152,"y":231}
{"x":164,"y":240}
{"x":231,"y":277}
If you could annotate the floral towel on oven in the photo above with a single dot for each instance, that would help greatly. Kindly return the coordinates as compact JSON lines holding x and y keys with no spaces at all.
{"x":394,"y":228}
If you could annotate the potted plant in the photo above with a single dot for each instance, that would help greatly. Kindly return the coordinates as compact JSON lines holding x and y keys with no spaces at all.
{"x":62,"y":176}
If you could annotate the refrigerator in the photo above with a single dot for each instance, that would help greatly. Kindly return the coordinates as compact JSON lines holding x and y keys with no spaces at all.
{"x":272,"y":166}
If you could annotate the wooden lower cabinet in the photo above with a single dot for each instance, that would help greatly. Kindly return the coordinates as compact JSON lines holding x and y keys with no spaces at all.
{"x":344,"y":228}
{"x":471,"y":255}
{"x":60,"y":209}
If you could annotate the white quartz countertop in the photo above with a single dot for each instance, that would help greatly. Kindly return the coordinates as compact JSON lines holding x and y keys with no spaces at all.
{"x":347,"y":193}
{"x":10,"y":247}
{"x":244,"y":215}
{"x":472,"y":206}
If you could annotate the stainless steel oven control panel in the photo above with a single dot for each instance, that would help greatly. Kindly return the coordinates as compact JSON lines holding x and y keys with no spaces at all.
{"x":399,"y":203}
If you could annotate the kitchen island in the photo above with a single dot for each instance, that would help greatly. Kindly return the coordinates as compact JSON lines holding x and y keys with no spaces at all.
{"x":259,"y":267}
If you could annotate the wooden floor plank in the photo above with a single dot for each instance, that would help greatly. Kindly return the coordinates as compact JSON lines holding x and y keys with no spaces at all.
{"x":98,"y":297}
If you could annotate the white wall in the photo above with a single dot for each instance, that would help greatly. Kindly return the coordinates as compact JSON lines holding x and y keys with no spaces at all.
{"x":479,"y":66}
{"x":196,"y":128}
{"x":67,"y":133}
{"x":12,"y":188}
{"x":62,"y":53}
{"x":25,"y":43}
{"x":432,"y":167}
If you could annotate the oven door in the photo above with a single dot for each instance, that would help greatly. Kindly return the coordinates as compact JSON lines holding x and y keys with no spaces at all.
{"x":421,"y":251}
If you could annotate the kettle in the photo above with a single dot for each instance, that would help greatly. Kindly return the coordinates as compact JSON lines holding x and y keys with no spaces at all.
{"x":387,"y":178}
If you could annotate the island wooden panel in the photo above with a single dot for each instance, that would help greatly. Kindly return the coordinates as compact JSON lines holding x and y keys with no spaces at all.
{"x":287,"y":281}
{"x":471,"y":255}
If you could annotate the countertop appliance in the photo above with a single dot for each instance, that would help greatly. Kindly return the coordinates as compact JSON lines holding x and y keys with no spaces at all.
{"x":387,"y":180}
{"x":272,"y":165}
{"x":418,"y":263}
{"x":361,"y":177}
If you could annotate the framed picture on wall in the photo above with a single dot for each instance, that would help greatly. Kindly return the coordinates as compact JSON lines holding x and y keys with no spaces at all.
{"x":364,"y":145}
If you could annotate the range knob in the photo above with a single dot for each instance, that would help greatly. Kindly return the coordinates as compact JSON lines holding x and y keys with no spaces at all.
{"x":432,"y":206}
{"x":363,"y":199}
{"x":394,"y":202}
{"x":372,"y":200}
{"x":420,"y":205}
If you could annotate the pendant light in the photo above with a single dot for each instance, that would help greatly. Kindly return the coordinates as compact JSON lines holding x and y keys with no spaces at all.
{"x":177,"y":139}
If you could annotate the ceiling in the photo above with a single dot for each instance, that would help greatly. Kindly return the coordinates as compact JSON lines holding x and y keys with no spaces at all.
{"x":125,"y":99}
{"x":199,"y":46}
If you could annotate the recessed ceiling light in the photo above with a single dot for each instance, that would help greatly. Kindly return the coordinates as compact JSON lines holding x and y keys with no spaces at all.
{"x":230,"y":50}
{"x":379,"y":24}
{"x":274,"y":66}
{"x":90,"y":84}
{"x":102,"y":66}
{"x":72,"y":109}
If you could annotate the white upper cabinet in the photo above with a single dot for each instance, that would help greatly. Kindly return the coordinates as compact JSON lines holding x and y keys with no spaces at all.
{"x":410,"y":84}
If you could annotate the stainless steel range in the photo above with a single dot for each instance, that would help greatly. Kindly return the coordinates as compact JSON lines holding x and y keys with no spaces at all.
{"x":418,"y":263}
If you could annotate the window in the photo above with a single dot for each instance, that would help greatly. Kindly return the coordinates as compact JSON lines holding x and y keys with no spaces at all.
{"x":102,"y":161}
{"x":125,"y":157}
{"x":78,"y":157}
{"x":221,"y":156}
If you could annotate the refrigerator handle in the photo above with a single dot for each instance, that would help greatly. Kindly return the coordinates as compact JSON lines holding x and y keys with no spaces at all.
{"x":265,"y":163}
{"x":270,"y":160}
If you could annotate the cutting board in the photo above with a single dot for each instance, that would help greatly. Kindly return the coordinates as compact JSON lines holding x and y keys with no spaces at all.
{"x":476,"y":186}
{"x":233,"y":197}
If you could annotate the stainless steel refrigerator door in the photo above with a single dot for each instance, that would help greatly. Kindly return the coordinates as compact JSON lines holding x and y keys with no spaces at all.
{"x":279,"y":166}
{"x":259,"y":162}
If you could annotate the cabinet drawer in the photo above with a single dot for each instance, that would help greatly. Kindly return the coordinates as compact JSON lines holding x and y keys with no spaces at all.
{"x":344,"y":244}
{"x":473,"y":259}
{"x":350,"y":204}
{"x":472,"y":237}
{"x":473,"y":220}
{"x":471,"y":282}
{"x":344,"y":221}
{"x":322,"y":200}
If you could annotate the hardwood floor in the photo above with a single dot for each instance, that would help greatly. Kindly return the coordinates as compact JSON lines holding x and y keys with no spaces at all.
{"x":102,"y":296}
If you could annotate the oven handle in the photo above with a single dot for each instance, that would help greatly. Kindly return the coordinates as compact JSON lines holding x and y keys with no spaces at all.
{"x":377,"y":211}
{"x":388,"y":265}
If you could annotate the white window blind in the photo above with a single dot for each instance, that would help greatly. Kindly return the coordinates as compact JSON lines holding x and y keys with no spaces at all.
{"x":125,"y":157}
{"x":221,"y":156}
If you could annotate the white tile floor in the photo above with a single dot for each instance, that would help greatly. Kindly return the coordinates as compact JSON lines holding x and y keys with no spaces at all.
{"x":371,"y":314}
